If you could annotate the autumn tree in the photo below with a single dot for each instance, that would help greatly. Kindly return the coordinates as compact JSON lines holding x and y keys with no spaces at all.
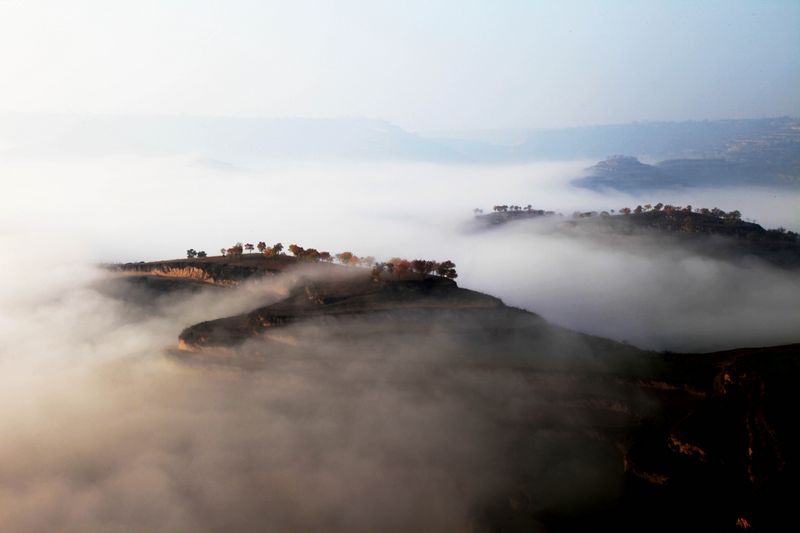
{"x":402,"y":267}
{"x":325,"y":256}
{"x":296,"y":250}
{"x":276,"y":249}
{"x":344,"y":257}
{"x":262,"y":247}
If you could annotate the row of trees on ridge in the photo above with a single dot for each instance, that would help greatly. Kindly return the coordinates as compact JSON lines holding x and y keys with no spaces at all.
{"x":395,"y":266}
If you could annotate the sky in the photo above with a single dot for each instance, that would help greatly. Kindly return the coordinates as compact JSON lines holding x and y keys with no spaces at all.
{"x":423,"y":65}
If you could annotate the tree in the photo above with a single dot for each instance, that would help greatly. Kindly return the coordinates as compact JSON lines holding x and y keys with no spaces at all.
{"x":249,"y":247}
{"x":733,"y":216}
{"x":296,"y":250}
{"x":325,"y":256}
{"x":190,"y":253}
{"x":311,"y":254}
{"x":276,"y":249}
{"x":201,"y":253}
{"x":447,"y":269}
{"x":402,"y":267}
{"x":262,"y":247}
{"x":625,"y":210}
{"x":368,"y":260}
{"x":377,"y":270}
{"x":235,"y":250}
{"x":478,"y":211}
{"x":223,"y":251}
{"x":422,"y":266}
{"x":344,"y":257}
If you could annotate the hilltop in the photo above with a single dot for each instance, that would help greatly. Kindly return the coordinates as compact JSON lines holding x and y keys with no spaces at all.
{"x":698,"y":440}
{"x":711,"y":232}
{"x":627,"y":173}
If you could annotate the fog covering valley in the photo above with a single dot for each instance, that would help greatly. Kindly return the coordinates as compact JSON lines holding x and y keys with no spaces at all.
{"x":481,"y":301}
{"x":363,"y":424}
{"x":653,"y":293}
{"x":108,"y":429}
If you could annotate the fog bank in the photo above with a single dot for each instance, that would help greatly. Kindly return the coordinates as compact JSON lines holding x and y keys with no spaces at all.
{"x":105,"y":430}
{"x":126,"y":208}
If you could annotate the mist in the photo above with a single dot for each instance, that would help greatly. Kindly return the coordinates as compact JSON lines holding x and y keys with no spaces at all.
{"x":107,"y":428}
{"x":660,"y":296}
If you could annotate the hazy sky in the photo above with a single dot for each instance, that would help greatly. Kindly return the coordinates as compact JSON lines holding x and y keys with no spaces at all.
{"x":449,"y":64}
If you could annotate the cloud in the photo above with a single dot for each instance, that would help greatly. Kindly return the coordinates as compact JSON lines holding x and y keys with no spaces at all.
{"x":106,"y":431}
{"x":654,"y":294}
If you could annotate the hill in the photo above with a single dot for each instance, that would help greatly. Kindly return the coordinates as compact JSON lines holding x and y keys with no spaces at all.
{"x":710,"y":232}
{"x":625,"y":173}
{"x":774,"y":140}
{"x":769,"y":146}
{"x":588,"y":431}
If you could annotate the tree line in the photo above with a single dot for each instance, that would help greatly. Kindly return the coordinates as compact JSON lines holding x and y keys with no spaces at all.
{"x":396,"y":266}
{"x":667,"y":209}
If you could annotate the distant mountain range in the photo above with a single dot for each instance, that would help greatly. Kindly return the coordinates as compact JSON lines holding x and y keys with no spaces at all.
{"x":218,"y":138}
{"x":696,"y":150}
{"x":715,"y":139}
